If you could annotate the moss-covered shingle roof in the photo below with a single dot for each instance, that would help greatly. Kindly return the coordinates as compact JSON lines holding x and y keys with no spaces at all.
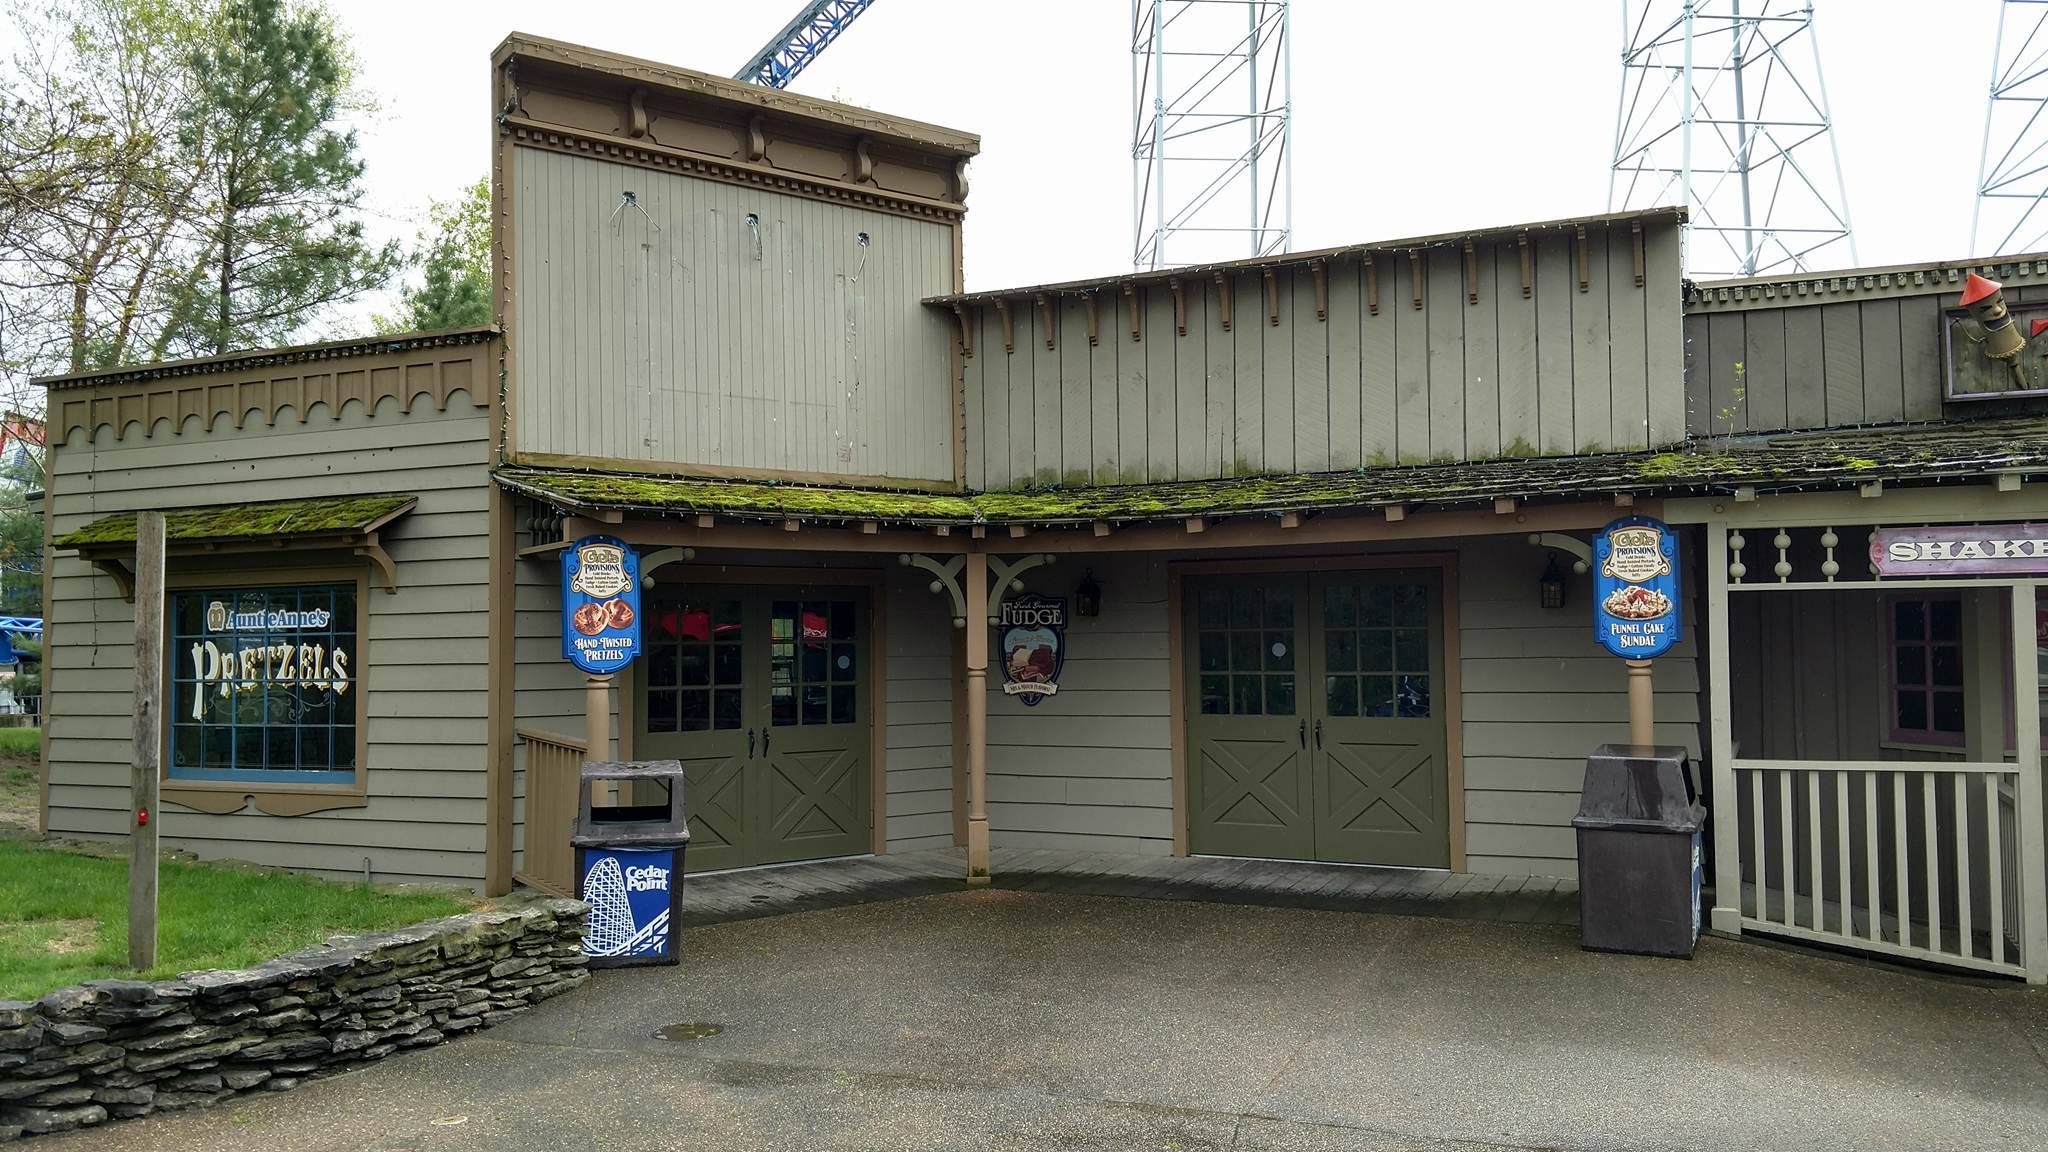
{"x":1799,"y":460}
{"x":279,"y":519}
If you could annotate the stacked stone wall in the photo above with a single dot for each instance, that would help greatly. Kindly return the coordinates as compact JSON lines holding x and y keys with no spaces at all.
{"x":120,"y":1048}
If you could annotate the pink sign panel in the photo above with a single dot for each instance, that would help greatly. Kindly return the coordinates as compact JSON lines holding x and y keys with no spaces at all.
{"x":1961,"y":550}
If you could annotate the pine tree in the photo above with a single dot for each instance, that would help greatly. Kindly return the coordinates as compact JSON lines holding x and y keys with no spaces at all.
{"x":454,"y":260}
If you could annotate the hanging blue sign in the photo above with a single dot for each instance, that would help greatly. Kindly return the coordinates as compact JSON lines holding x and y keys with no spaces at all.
{"x":1636,"y":612}
{"x":600,"y":605}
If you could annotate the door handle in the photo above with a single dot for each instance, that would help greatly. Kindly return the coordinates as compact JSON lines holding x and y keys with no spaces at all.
{"x":764,"y":741}
{"x":1301,"y":733}
{"x":750,"y":743}
{"x":1319,"y":735}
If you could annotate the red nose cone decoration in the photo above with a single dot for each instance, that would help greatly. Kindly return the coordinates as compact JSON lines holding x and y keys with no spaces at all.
{"x":1977,"y":288}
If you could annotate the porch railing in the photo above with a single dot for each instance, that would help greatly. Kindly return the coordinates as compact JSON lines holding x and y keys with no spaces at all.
{"x":551,"y":775}
{"x":1912,"y":859}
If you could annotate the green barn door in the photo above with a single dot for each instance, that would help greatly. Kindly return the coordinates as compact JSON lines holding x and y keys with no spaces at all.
{"x":1378,"y":738}
{"x":813,"y":786}
{"x":693,"y":708}
{"x":1249,"y":784}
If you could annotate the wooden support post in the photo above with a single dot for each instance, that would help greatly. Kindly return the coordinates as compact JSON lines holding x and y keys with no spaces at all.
{"x":976,"y":581}
{"x":597,"y":719}
{"x":1719,"y":741}
{"x":148,"y":739}
{"x":1642,"y":705}
{"x":2026,"y":685}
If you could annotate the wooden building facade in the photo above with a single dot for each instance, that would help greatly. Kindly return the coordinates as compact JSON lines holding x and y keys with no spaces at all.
{"x":1300,"y":519}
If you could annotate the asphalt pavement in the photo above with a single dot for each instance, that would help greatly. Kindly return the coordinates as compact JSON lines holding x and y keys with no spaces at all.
{"x":1019,"y":1020}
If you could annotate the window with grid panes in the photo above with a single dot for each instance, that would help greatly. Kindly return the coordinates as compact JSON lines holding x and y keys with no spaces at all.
{"x":814,"y":666}
{"x":1927,"y":669}
{"x":1245,"y":650}
{"x":693,"y":665}
{"x":263,"y":683}
{"x":1376,"y":650}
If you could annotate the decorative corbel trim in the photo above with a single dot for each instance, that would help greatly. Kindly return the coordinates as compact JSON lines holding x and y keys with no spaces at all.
{"x":1415,"y":276}
{"x":373,"y":551}
{"x":1321,"y":273}
{"x":1635,"y":230}
{"x":1094,"y":320}
{"x":636,"y":106}
{"x":960,"y":179}
{"x":1372,"y":284}
{"x":1009,"y":325}
{"x":945,"y":578}
{"x":1223,"y":300}
{"x":1045,"y":318}
{"x":1585,"y":271}
{"x":118,"y":572}
{"x":1528,"y":264}
{"x":863,"y":162}
{"x":1136,"y":300}
{"x":1004,"y":578}
{"x":1180,"y":305}
{"x":757,"y":139}
{"x":966,"y":331}
{"x":1471,"y":273}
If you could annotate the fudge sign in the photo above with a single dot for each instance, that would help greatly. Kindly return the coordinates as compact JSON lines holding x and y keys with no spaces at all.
{"x":1031,"y":638}
{"x":1635,"y":588}
{"x":600,"y":605}
{"x":1961,"y":550}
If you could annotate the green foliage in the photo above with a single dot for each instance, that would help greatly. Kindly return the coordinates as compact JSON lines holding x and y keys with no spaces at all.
{"x":454,"y":265}
{"x":64,"y":918}
{"x":281,"y":187}
{"x":20,"y":743}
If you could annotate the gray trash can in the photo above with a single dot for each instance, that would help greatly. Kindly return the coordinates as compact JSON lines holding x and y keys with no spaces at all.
{"x":1639,"y":852}
{"x":629,"y":861}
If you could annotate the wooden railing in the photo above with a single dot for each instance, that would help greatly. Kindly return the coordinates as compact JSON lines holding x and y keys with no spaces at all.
{"x":552,"y":761}
{"x":1912,"y":859}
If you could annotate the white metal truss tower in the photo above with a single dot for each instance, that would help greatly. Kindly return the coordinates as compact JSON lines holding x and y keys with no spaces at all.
{"x":1723,"y":109}
{"x":2011,"y":212}
{"x":1210,"y":101}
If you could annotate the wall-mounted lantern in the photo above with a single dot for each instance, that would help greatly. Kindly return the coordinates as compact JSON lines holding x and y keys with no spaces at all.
{"x":1088,"y":596}
{"x":1550,"y":589}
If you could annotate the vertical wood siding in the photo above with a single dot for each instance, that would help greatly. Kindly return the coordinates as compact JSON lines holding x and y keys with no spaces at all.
{"x":1283,"y":390}
{"x":1815,"y":365}
{"x":677,"y":336}
{"x":425,"y":668}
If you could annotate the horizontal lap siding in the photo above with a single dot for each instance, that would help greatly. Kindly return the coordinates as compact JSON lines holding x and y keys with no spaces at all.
{"x":919,"y":739}
{"x":676,"y":332}
{"x":1539,"y":695}
{"x":547,"y":691}
{"x":1091,"y":766}
{"x":423,"y":655}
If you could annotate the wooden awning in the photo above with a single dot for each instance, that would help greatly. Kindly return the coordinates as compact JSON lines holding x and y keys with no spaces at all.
{"x":335,"y":522}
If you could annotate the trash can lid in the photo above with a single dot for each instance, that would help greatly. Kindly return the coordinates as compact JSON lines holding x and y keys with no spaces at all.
{"x":1633,"y":786}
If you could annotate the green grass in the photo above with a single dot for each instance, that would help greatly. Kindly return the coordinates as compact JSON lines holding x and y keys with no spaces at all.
{"x":64,"y":916}
{"x":21,"y":743}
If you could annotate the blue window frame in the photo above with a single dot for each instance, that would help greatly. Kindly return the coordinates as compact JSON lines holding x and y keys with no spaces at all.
{"x":264,"y":683}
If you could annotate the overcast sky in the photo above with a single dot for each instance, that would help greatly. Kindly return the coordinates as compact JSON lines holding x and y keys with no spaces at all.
{"x":1410,"y":118}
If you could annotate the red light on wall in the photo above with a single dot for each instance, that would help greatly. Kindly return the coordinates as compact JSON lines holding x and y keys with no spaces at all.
{"x":142,"y":817}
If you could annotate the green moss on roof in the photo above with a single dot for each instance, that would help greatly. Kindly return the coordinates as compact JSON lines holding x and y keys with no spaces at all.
{"x":1805,"y":460}
{"x":283,"y":518}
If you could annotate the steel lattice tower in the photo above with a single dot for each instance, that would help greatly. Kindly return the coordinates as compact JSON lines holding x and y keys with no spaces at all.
{"x":1723,"y":108}
{"x":1210,"y":101}
{"x":2012,"y":171}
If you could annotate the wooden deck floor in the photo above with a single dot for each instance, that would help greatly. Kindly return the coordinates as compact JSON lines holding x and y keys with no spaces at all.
{"x":723,"y":896}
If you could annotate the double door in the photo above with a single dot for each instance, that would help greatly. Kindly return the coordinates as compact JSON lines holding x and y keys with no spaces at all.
{"x":763,"y":694}
{"x":1316,"y":724}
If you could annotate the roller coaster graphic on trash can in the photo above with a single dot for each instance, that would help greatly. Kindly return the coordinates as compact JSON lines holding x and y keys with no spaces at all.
{"x":628,"y":893}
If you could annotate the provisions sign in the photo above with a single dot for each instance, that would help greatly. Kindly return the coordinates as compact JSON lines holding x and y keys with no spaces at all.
{"x":1635,"y":588}
{"x":600,"y":605}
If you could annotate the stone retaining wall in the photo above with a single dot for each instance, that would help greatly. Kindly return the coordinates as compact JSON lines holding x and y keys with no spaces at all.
{"x":117,"y":1048}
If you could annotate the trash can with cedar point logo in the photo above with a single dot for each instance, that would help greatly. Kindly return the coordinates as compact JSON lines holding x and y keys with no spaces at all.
{"x":629,"y":840}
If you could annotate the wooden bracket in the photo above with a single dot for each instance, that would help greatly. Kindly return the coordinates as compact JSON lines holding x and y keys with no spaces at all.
{"x":1321,"y":274}
{"x":1624,"y":499}
{"x":117,"y":572}
{"x":1471,"y":273}
{"x":1503,"y":505}
{"x":1396,"y":513}
{"x":966,"y":331}
{"x":373,"y":551}
{"x":1180,"y":306}
{"x":1136,"y":300}
{"x":1415,"y":277}
{"x":1094,"y":321}
{"x":706,"y":520}
{"x":1585,"y":273}
{"x":757,"y":141}
{"x":1019,"y":531}
{"x":1197,"y":524}
{"x":1272,"y":299}
{"x":636,"y":108}
{"x":1290,"y":519}
{"x":1223,"y":300}
{"x":870,"y":528}
{"x":1009,"y":325}
{"x":792,"y":524}
{"x":1528,"y":265}
{"x":1635,"y":229}
{"x":1372,"y":284}
{"x":863,"y":162}
{"x":1102,"y":528}
{"x":1045,"y":318}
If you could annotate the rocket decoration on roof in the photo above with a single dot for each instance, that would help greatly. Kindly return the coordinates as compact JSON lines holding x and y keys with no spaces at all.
{"x":2001,"y":339}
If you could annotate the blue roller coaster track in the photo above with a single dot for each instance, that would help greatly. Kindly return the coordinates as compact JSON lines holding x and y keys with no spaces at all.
{"x":792,"y":50}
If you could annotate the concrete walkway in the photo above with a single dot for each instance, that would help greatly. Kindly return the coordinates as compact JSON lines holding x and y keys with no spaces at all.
{"x":1000,"y":1019}
{"x":724,"y":896}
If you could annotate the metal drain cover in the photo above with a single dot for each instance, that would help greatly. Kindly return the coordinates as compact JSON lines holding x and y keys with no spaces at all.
{"x":693,"y":1031}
